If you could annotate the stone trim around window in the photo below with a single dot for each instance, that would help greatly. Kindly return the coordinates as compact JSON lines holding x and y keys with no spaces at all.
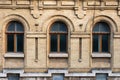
{"x":14,"y":55}
{"x":60,"y":55}
{"x":101,"y":55}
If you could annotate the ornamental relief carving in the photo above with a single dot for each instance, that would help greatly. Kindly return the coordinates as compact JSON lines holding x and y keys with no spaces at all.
{"x":35,"y":10}
{"x":78,"y":6}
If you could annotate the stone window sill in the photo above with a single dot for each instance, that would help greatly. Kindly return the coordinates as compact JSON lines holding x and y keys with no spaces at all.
{"x":14,"y":55}
{"x":58,"y":55}
{"x":101,"y":55}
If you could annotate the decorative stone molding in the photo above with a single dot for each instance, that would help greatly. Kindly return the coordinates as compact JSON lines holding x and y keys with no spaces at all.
{"x":101,"y":55}
{"x":6,"y":2}
{"x":116,"y":35}
{"x":35,"y":34}
{"x":35,"y":10}
{"x":101,"y":4}
{"x":3,"y":75}
{"x":79,"y":13}
{"x":23,"y":2}
{"x":78,"y":9}
{"x":118,"y":11}
{"x":16,"y":17}
{"x":14,"y":55}
{"x":59,"y":71}
{"x":58,"y":55}
{"x":107,"y":19}
{"x":80,"y":35}
{"x":20,"y":71}
{"x":112,"y":4}
{"x":55,"y":18}
{"x":35,"y":13}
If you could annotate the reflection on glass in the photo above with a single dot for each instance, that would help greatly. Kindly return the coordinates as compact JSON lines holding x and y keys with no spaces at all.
{"x":54,"y":27}
{"x":101,"y":27}
{"x":58,"y":27}
{"x":19,"y":27}
{"x":11,"y":27}
{"x":15,"y":26}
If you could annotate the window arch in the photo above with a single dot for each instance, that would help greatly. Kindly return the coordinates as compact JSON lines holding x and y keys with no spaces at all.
{"x":58,"y":37}
{"x":15,"y":37}
{"x":101,"y":37}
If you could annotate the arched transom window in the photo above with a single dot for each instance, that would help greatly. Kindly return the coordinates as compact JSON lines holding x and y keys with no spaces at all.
{"x":101,"y":37}
{"x":58,"y":37}
{"x":15,"y":37}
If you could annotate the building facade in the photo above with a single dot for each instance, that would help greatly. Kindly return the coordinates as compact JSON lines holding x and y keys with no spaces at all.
{"x":59,"y":40}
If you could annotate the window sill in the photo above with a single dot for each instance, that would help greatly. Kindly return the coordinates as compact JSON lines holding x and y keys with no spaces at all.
{"x":101,"y":55}
{"x":14,"y":55}
{"x":60,"y":55}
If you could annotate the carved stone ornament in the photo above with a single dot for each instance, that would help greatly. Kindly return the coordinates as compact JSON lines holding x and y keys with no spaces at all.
{"x":79,"y":13}
{"x":35,"y":14}
{"x":118,"y":11}
{"x":35,"y":10}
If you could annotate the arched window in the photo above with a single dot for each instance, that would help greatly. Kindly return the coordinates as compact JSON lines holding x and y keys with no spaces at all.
{"x":101,"y":37}
{"x":15,"y":37}
{"x":58,"y":37}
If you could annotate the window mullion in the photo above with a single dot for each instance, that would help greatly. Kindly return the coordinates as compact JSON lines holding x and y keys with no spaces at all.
{"x":100,"y":43}
{"x":15,"y":42}
{"x":15,"y":47}
{"x":108,"y":42}
{"x":58,"y":42}
{"x":66,"y":43}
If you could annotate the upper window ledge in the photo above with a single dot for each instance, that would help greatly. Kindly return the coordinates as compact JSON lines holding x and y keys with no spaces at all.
{"x":101,"y":55}
{"x":14,"y":55}
{"x":60,"y":55}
